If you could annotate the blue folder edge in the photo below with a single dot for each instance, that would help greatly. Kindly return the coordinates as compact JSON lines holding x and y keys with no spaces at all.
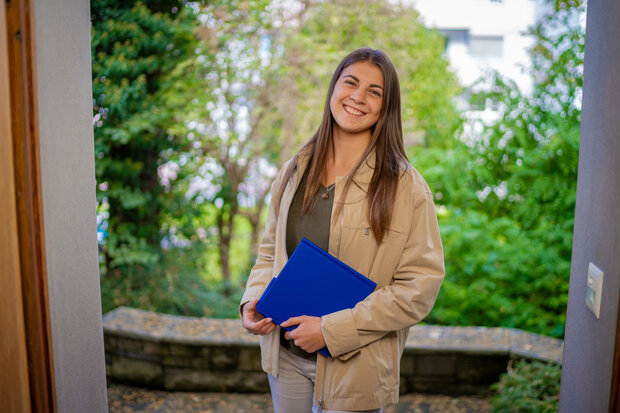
{"x":370,"y":284}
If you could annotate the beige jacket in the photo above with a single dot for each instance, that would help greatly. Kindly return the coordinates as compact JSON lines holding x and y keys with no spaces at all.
{"x":366,"y":342}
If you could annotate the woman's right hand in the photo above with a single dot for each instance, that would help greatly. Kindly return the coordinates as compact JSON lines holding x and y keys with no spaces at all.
{"x":254,"y":322}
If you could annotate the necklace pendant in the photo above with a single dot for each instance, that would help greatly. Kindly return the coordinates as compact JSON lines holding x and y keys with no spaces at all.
{"x":325,"y":195}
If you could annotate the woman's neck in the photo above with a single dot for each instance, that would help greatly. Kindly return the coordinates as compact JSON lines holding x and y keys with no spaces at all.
{"x":348,"y":149}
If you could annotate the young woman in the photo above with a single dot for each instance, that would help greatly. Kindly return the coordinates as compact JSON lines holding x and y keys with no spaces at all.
{"x":351,"y":191}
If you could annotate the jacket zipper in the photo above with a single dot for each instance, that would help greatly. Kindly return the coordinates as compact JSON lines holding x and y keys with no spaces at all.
{"x":321,"y":399}
{"x":340,"y":235}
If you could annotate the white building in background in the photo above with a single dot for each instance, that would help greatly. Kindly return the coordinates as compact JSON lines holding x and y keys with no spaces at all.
{"x":484,"y":34}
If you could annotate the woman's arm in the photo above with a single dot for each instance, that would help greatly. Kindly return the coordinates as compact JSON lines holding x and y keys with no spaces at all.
{"x":262,"y":272}
{"x":410,"y":296}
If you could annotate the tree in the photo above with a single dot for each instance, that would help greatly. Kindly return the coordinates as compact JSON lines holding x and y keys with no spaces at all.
{"x":234,"y":68}
{"x":506,"y":198}
{"x":140,"y":58}
{"x":135,"y":48}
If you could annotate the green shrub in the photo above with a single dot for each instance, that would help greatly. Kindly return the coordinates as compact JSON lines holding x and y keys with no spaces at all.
{"x":176,"y":288}
{"x":528,"y":386}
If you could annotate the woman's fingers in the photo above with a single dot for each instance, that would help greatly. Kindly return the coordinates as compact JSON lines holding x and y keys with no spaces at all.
{"x":293,"y":321}
{"x":255,"y":326}
{"x":254,"y":322}
{"x":268,"y":328}
{"x":308,"y":334}
{"x":250,"y":310}
{"x":264,"y":326}
{"x":250,"y":316}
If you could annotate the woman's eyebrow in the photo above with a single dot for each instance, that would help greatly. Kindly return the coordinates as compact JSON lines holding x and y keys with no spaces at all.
{"x":357,"y":80}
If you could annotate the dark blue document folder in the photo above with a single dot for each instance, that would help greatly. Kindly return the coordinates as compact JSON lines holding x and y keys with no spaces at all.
{"x":312,"y":283}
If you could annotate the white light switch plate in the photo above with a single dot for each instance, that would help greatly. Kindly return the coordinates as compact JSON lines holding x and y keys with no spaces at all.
{"x":594,"y":289}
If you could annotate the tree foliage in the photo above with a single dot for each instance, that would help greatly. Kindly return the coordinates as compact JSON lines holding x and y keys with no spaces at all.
{"x":234,"y":66}
{"x":135,"y":48}
{"x":507,"y":196}
{"x":139,"y":52}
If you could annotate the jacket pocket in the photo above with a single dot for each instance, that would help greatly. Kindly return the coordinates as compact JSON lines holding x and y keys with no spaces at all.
{"x":361,"y":251}
{"x":370,"y":370}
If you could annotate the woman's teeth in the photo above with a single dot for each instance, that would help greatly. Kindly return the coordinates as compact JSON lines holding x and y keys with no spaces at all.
{"x":353,"y":111}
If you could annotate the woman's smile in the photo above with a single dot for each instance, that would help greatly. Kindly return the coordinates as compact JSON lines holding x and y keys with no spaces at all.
{"x":351,"y":110}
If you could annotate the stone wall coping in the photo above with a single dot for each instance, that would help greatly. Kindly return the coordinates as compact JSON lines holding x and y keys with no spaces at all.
{"x":158,"y":327}
{"x":149,"y":325}
{"x":485,"y":340}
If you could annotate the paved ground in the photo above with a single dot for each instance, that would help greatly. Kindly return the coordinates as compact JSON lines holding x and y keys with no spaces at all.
{"x":124,"y":399}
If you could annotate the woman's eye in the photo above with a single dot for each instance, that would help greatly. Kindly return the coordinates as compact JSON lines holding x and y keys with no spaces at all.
{"x":349,"y":82}
{"x":375,"y":92}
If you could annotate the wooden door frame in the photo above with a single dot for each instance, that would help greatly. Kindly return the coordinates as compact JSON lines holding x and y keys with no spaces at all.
{"x":14,"y":388}
{"x":19,"y":29}
{"x":614,"y":399}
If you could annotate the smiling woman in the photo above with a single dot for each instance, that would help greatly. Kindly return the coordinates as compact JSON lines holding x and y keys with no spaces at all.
{"x":350,"y":180}
{"x":357,"y":101}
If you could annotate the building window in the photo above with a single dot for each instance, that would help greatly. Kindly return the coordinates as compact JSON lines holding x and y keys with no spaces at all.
{"x":455,"y":37}
{"x":486,"y":46}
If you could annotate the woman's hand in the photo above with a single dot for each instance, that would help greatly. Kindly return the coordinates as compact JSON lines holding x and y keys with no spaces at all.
{"x":308,"y":334}
{"x":254,"y":322}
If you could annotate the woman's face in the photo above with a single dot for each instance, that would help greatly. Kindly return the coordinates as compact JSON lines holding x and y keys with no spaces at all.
{"x":357,"y":98}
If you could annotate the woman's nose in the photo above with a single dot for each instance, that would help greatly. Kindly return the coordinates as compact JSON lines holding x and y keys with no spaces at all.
{"x":357,"y":97}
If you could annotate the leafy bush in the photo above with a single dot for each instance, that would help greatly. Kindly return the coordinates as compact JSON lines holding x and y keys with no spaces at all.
{"x":170,"y":293}
{"x":499,"y":275}
{"x":528,"y":386}
{"x":178,"y":289}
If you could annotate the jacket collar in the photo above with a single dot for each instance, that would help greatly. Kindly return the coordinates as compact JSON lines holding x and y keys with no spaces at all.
{"x":361,"y":178}
{"x":359,"y":185}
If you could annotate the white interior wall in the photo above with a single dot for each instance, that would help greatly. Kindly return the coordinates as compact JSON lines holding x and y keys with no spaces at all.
{"x":589,"y":341}
{"x":64,"y":98}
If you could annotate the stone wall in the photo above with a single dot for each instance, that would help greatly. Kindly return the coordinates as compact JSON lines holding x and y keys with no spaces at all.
{"x":201,"y":354}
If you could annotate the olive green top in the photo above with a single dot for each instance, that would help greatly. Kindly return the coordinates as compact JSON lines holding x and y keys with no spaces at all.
{"x":313,"y":226}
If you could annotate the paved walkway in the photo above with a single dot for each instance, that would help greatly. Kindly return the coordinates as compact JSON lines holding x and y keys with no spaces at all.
{"x":127,"y":399}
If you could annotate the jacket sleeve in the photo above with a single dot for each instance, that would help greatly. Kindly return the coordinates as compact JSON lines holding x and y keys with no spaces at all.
{"x":407,"y":299}
{"x":262,"y":272}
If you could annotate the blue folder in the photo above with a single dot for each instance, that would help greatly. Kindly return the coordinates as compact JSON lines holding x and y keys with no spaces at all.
{"x":312,"y":283}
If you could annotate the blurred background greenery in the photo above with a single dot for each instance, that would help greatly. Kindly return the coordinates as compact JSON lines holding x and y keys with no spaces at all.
{"x":197,"y":104}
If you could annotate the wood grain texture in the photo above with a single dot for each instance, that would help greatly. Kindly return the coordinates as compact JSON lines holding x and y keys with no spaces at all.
{"x":26,"y":172}
{"x":14,"y":394}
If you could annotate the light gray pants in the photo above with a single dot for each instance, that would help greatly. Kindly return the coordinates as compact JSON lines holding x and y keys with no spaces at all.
{"x":293,"y":390}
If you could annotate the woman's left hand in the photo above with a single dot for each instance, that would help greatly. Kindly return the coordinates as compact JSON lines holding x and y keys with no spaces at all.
{"x":307,"y":335}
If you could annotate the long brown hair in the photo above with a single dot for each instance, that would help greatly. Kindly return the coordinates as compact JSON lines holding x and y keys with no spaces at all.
{"x":386,"y":140}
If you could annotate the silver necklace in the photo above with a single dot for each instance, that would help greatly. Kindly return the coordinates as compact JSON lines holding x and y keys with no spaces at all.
{"x":326,"y":191}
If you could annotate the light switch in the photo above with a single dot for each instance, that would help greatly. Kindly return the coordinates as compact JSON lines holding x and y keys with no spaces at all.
{"x":594,"y":289}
